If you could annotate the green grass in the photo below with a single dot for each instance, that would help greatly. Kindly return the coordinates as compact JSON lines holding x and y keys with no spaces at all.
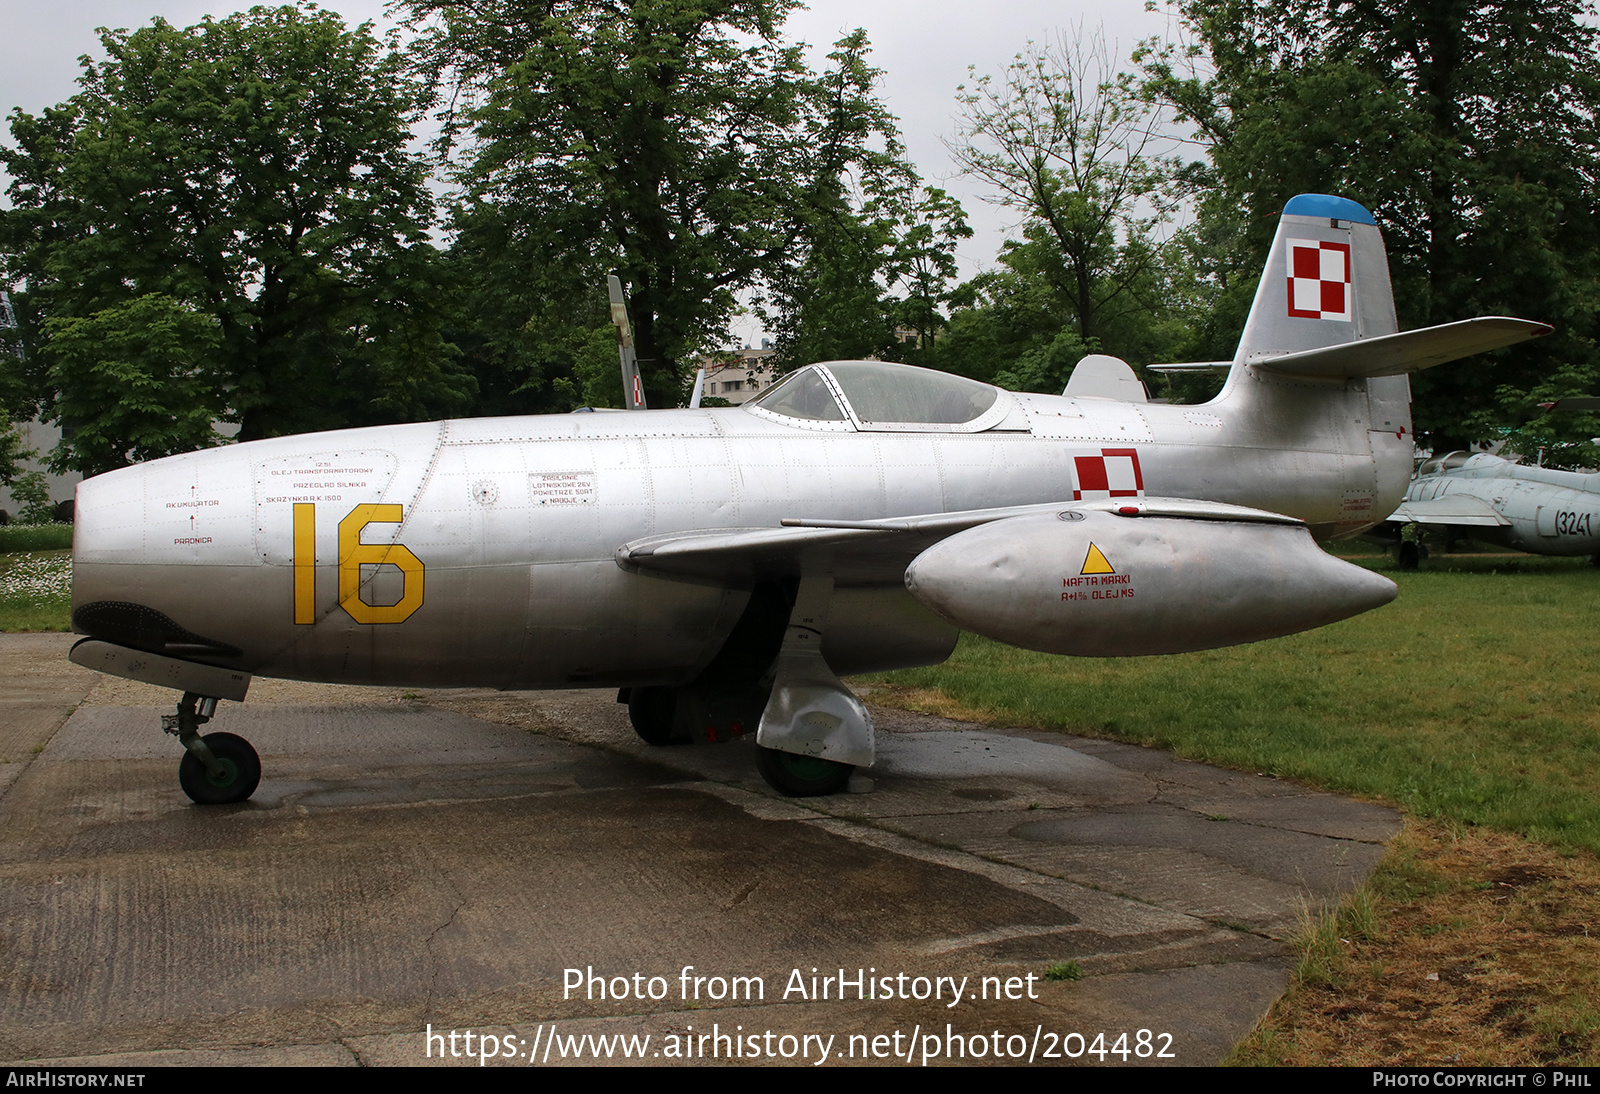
{"x":36,"y":590}
{"x":1474,"y":697}
{"x":34,"y":537}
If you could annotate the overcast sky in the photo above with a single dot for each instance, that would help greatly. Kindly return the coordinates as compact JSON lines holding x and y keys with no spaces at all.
{"x":923,"y":46}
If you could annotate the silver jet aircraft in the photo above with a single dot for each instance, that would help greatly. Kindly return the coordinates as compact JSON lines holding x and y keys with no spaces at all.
{"x":724,"y":568}
{"x":1535,"y":509}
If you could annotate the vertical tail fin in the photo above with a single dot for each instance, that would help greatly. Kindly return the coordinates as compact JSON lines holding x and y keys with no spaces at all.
{"x":1322,"y":365}
{"x":1326,"y":281}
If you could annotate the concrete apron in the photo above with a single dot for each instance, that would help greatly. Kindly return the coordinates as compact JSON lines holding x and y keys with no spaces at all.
{"x":406,"y":868}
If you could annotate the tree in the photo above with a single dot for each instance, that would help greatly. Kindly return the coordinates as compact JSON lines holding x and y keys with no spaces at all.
{"x":244,"y":187}
{"x":1467,"y":127}
{"x":1015,"y":326}
{"x":527,"y":329}
{"x":12,"y":453}
{"x":682,"y":143}
{"x":13,"y":396}
{"x":31,"y":490}
{"x":138,"y":380}
{"x":1075,"y":149}
{"x":876,"y":251}
{"x":924,"y":264}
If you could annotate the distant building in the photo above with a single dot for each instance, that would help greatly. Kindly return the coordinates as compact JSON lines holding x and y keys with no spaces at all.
{"x":739,"y":375}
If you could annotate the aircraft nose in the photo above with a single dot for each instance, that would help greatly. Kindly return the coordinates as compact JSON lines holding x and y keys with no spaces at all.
{"x":162,"y":555}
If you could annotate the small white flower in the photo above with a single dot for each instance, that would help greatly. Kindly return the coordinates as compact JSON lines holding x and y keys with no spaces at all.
{"x":37,"y":578}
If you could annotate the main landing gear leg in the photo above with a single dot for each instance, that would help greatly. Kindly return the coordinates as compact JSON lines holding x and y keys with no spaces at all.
{"x":218,"y":768}
{"x":814,"y":731}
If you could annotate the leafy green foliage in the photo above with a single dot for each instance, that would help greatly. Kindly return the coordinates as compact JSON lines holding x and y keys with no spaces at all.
{"x":11,"y":451}
{"x":874,"y":280}
{"x":139,"y":378}
{"x":1080,"y":154}
{"x":32,"y":490}
{"x":15,"y":405}
{"x":683,"y":144}
{"x":1468,"y":130}
{"x":523,"y":322}
{"x":596,"y":379}
{"x":1076,"y":151}
{"x":876,"y":253}
{"x":251,"y":172}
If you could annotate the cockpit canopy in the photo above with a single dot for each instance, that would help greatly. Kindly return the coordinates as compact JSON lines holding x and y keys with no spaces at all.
{"x":882,"y":395}
{"x":1448,"y":462}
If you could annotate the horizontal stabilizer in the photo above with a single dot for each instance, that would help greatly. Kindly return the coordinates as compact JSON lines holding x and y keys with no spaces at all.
{"x":1452,"y":509}
{"x":1210,"y":368}
{"x":1408,"y":351}
{"x":1573,"y":402}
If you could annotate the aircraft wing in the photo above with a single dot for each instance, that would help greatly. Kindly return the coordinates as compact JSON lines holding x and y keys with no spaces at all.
{"x":1457,"y":509}
{"x":868,"y":551}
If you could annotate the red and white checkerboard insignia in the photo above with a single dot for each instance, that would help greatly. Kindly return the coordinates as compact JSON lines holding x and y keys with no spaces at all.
{"x":1319,"y":280}
{"x":1112,"y":474}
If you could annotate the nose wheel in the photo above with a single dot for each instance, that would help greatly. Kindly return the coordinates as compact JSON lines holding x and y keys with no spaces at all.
{"x":216,"y":769}
{"x":235,"y":779}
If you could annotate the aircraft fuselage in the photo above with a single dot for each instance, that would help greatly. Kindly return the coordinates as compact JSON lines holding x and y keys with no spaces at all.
{"x":1550,"y":512}
{"x":481,"y":552}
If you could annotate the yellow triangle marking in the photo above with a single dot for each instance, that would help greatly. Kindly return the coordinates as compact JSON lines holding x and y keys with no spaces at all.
{"x":1095,"y":563}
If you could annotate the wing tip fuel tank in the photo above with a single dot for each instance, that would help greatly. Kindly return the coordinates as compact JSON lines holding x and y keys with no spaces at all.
{"x":1095,"y":584}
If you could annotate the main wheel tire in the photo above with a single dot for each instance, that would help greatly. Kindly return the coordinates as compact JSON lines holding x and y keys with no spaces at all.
{"x":1409,"y":556}
{"x":652,"y":712}
{"x":801,"y":776}
{"x":241,"y":771}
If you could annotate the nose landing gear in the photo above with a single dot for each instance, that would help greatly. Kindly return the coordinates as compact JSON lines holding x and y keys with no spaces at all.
{"x":216,"y":769}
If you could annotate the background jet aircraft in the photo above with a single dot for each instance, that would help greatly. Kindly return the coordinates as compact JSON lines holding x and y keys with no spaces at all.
{"x":1535,"y":509}
{"x":725,"y":567}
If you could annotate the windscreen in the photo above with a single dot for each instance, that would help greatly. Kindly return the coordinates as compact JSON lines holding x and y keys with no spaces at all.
{"x":803,"y":395}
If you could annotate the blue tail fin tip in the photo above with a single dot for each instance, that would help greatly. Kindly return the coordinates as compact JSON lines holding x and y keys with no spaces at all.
{"x":1326,"y":205}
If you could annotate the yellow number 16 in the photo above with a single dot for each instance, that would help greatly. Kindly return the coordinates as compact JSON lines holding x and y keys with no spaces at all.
{"x":353,"y":554}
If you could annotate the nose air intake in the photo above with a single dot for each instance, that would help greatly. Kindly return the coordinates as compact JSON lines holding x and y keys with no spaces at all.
{"x":142,"y":628}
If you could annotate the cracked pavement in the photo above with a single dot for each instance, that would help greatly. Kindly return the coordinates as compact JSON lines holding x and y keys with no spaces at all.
{"x":442,"y":860}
